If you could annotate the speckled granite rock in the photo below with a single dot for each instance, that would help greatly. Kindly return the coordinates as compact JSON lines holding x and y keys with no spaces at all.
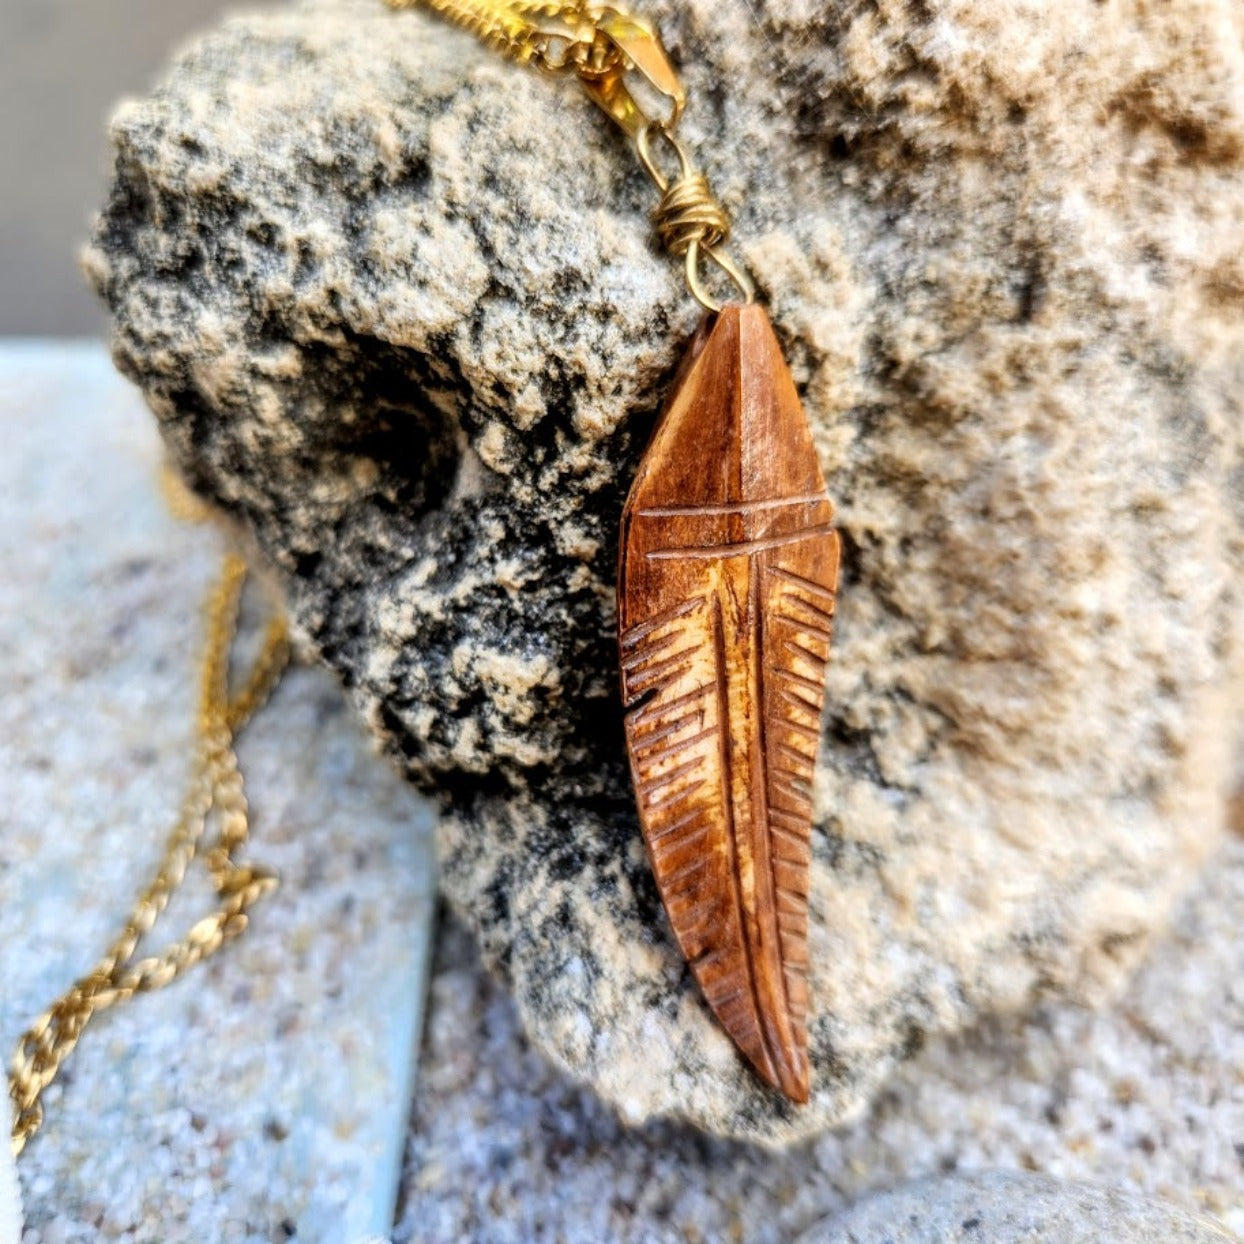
{"x":416,"y":340}
{"x":266,"y":1096}
{"x":997,"y":1207}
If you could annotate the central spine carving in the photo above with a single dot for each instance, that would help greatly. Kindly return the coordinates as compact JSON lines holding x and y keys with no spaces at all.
{"x":729,"y":564}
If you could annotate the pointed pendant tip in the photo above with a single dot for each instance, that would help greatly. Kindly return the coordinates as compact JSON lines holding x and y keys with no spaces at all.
{"x":789,"y":1076}
{"x":798,"y":1089}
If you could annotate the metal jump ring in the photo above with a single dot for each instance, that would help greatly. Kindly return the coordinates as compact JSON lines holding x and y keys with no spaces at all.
{"x":735,"y":271}
{"x":643,"y":147}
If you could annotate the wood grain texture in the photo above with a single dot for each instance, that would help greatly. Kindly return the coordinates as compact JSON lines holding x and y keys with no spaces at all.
{"x":729,"y":565}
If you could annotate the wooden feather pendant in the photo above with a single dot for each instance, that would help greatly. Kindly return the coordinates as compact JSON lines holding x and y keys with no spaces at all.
{"x":728,"y":570}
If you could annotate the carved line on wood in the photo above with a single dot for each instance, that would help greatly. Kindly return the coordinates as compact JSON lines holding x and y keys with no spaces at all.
{"x":742,"y":508}
{"x":742,"y":549}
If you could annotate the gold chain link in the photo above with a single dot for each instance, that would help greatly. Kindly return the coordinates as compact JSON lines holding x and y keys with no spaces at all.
{"x":557,"y":38}
{"x":608,"y":48}
{"x":216,"y":785}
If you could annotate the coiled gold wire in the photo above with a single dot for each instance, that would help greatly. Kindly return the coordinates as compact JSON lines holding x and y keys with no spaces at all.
{"x":689,"y":219}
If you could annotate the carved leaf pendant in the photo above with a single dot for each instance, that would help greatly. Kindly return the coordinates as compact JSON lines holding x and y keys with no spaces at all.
{"x":728,"y":571}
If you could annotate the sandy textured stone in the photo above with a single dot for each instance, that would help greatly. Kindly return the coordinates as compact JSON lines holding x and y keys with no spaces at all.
{"x":1010,"y":1208}
{"x":266,"y":1096}
{"x":416,"y":338}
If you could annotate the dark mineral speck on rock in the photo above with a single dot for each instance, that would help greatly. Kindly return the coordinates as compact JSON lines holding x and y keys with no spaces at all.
{"x":398,"y":310}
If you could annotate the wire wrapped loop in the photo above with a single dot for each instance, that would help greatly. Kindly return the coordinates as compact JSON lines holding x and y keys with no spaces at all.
{"x":690,"y":220}
{"x":688,"y":212}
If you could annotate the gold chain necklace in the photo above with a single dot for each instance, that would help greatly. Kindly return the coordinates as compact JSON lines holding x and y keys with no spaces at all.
{"x":728,"y":574}
{"x":215,"y":785}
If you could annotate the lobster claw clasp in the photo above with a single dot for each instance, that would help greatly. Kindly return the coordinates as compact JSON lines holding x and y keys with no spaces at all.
{"x":642,"y":54}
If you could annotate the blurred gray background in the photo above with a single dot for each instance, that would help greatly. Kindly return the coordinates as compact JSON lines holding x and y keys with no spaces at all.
{"x":63,"y":64}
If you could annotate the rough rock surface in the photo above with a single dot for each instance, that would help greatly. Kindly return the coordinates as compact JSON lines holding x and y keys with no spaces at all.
{"x":396,"y":307}
{"x":1005,"y":1207}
